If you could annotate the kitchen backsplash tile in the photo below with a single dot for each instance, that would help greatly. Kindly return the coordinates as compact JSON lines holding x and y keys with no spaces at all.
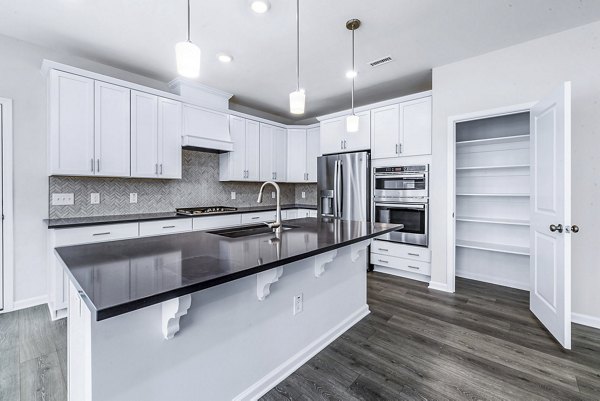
{"x":199,"y":186}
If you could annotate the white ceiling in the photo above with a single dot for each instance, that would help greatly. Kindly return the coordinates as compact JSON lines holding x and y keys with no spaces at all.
{"x":139,"y":36}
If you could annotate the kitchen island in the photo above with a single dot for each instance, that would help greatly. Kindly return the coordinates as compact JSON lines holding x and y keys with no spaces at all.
{"x":211,"y":315}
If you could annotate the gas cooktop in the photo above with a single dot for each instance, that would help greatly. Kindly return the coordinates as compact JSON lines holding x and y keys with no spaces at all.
{"x":196,"y":211}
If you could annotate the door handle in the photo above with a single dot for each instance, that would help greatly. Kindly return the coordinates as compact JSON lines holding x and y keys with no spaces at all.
{"x":572,"y":229}
{"x":558,"y":228}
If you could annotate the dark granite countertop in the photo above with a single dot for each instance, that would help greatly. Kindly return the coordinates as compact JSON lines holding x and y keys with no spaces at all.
{"x":121,"y":276}
{"x":132,"y":218}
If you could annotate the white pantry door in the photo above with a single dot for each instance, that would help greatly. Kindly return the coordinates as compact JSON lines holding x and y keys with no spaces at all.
{"x":2,"y":212}
{"x":550,"y":241}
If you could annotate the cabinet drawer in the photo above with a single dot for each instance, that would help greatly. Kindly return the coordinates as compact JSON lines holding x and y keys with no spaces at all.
{"x":408,"y":265}
{"x":210,"y":222}
{"x":401,"y":251}
{"x":170,"y":226}
{"x":251,"y":218}
{"x":105,"y":232}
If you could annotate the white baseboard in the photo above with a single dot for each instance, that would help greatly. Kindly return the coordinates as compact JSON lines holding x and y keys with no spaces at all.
{"x":494,"y":280}
{"x":436,"y":285}
{"x":28,"y":303}
{"x":278,"y":374}
{"x":586,"y":320}
{"x":401,"y":273}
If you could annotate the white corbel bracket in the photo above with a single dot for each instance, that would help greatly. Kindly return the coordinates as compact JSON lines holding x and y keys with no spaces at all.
{"x":323,"y":259}
{"x":264,"y":281}
{"x":355,"y":249}
{"x":172,"y":311}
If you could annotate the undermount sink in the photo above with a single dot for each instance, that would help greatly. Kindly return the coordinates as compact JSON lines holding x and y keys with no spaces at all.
{"x":246,"y":231}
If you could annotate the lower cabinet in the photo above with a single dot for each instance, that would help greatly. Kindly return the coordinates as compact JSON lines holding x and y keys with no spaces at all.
{"x":162,"y":227}
{"x":407,"y":258}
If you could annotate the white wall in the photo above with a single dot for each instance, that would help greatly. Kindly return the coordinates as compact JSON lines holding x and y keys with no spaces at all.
{"x":520,"y":74}
{"x":21,"y":80}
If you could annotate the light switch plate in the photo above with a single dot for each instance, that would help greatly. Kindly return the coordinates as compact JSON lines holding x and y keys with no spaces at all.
{"x":303,"y":195}
{"x":272,"y":195}
{"x":232,"y":194}
{"x":133,"y":197}
{"x":94,"y":198}
{"x":63,"y":199}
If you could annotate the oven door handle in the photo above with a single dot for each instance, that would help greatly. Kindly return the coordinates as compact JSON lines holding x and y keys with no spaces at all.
{"x":400,"y":206}
{"x":380,"y":175}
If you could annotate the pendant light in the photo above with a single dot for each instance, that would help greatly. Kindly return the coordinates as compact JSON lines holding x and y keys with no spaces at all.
{"x":352,"y":120}
{"x":188,"y":54}
{"x":297,"y":98}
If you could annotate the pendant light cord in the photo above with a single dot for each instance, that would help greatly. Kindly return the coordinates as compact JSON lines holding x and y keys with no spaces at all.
{"x":188,"y":21}
{"x":298,"y":45}
{"x":353,"y":71}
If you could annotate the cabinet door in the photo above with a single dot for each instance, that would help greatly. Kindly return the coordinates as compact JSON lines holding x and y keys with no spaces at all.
{"x":267,"y":155}
{"x":296,"y":155}
{"x":312,"y":153}
{"x":280,"y":152}
{"x":415,"y":123}
{"x":385,"y":132}
{"x":333,"y":133}
{"x":71,"y":124}
{"x":169,"y":138}
{"x":237,"y":158}
{"x":252,"y":150}
{"x":112,"y":130}
{"x":360,"y":140}
{"x":144,"y":136}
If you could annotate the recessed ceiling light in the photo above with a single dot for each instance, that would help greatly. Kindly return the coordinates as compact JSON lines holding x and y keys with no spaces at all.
{"x":260,"y":6}
{"x":351,"y":74}
{"x":224,"y":58}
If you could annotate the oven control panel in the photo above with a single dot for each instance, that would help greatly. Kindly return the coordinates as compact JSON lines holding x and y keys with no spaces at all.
{"x":402,"y":169}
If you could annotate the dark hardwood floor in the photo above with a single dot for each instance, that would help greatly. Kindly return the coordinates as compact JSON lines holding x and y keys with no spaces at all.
{"x":481,"y":343}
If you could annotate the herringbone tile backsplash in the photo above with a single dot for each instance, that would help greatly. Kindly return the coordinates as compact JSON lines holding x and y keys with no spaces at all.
{"x":199,"y":186}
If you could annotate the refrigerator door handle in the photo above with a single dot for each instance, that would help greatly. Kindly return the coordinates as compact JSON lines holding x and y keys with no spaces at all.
{"x":336,"y":195}
{"x":339,"y":200}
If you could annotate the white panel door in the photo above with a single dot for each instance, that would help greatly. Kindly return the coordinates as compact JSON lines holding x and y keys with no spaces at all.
{"x":360,"y":140}
{"x":332,"y":135}
{"x":312,"y":153}
{"x":415,"y":132}
{"x":280,"y":153}
{"x":112,"y":130}
{"x":385,"y":132}
{"x":169,"y":138}
{"x":252,"y":150}
{"x":144,"y":135}
{"x":267,"y":154}
{"x":2,"y":133}
{"x":71,"y":124}
{"x":237,"y":158}
{"x":550,"y":242}
{"x":296,"y":155}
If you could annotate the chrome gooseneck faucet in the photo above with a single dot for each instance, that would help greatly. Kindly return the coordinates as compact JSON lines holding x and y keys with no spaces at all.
{"x":276,"y":225}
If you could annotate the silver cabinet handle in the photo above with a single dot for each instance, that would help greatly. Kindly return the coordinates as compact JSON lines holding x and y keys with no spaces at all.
{"x":98,"y":164}
{"x":414,"y":254}
{"x":396,"y":148}
{"x":413,"y":267}
{"x":382,"y":261}
{"x":168,"y":226}
{"x":255,"y":217}
{"x":156,"y":168}
{"x":383,"y":250}
{"x":92,"y":164}
{"x":345,"y":144}
{"x":399,"y":148}
{"x":161,"y":170}
{"x":275,"y":174}
{"x":341,"y":144}
{"x":106,"y":233}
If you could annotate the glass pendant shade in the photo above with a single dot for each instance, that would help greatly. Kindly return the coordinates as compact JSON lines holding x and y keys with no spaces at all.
{"x":188,"y":59}
{"x":297,"y":101}
{"x":352,"y":123}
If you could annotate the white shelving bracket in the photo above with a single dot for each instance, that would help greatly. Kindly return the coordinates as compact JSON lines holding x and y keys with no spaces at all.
{"x":323,"y":259}
{"x":264,"y":281}
{"x":172,"y":311}
{"x":356,"y":249}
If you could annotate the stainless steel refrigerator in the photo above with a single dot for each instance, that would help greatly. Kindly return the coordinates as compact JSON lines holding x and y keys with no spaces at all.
{"x":344,"y":186}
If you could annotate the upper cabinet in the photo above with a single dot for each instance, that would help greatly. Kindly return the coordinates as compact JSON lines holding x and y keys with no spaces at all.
{"x":402,"y":129}
{"x":155,"y":136}
{"x":336,"y":139}
{"x":242,"y":164}
{"x":302,"y":153}
{"x":273,"y":152}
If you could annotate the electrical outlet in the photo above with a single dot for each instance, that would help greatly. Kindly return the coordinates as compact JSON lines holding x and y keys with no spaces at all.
{"x":298,"y":303}
{"x":63,"y":199}
{"x":94,"y":198}
{"x":303,"y":195}
{"x":272,"y":195}
{"x":133,"y":197}
{"x":233,"y":195}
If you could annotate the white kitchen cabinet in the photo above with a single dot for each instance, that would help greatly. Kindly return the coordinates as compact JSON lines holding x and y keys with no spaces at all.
{"x":243,"y":163}
{"x":260,"y":217}
{"x":112,"y":130}
{"x":71,"y":124}
{"x":273,"y":151}
{"x":211,"y":222}
{"x":402,"y":129}
{"x":155,"y":136}
{"x":335,"y":138}
{"x":162,"y":227}
{"x":205,"y":128}
{"x":302,"y":153}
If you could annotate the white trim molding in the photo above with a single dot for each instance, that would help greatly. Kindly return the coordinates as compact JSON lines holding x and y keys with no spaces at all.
{"x":435,"y":285}
{"x":585,"y":320}
{"x":8,"y":270}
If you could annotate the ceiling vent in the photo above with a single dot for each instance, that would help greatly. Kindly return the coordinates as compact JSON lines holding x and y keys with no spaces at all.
{"x":381,"y":61}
